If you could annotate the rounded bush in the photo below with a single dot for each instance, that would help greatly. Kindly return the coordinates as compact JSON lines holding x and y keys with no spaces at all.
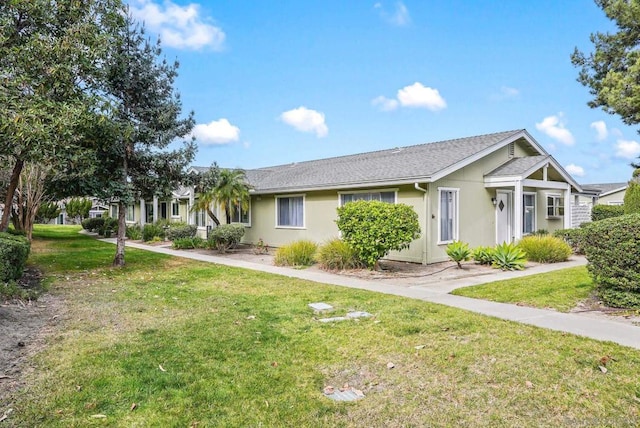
{"x":573,"y":237}
{"x":545,"y":248}
{"x":612,"y":247}
{"x":337,"y":255}
{"x":298,"y":253}
{"x":150,"y":231}
{"x":14,"y":251}
{"x":225,"y":237}
{"x":93,"y":224}
{"x":180,"y":230}
{"x":601,"y":212}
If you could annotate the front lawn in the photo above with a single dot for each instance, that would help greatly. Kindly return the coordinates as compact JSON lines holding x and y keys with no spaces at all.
{"x":561,"y":290}
{"x":173,"y":342}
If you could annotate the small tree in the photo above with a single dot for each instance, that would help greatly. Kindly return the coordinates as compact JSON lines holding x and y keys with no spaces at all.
{"x":78,"y":208}
{"x":47,"y":212}
{"x":632,"y":197}
{"x":374,"y":228}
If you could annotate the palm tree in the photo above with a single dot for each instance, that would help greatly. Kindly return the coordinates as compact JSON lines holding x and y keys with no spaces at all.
{"x":231,"y":191}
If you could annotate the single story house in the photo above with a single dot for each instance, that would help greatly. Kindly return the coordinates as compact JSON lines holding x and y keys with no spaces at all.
{"x":482,"y":190}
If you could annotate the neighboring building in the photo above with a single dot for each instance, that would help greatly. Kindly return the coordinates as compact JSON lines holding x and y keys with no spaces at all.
{"x":609,"y":193}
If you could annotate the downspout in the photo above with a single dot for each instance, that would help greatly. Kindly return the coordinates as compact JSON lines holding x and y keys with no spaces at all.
{"x":427,"y":232}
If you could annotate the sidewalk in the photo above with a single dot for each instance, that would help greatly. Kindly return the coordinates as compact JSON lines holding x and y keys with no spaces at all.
{"x":579,"y":324}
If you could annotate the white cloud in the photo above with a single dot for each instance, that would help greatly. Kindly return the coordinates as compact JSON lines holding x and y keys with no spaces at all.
{"x":627,"y":149}
{"x":399,"y":17}
{"x":179,"y":27}
{"x":418,"y":95}
{"x":306,"y":120}
{"x":576,"y":170}
{"x":216,"y":132}
{"x":601,"y":130}
{"x":508,"y":92}
{"x":384,"y":103}
{"x":554,"y":127}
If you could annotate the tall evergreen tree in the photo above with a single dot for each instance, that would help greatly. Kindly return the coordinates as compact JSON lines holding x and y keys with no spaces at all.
{"x":142,"y":118}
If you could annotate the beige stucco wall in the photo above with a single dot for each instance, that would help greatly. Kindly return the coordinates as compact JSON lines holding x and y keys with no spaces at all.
{"x":320,"y":215}
{"x":615,"y":198}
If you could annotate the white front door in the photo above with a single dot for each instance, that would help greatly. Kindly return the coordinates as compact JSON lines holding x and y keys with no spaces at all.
{"x":504,"y":217}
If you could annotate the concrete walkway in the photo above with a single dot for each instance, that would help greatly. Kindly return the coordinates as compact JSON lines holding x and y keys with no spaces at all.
{"x":580,"y":324}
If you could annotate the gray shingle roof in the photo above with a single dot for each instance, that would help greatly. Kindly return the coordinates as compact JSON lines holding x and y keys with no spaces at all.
{"x":402,"y":164}
{"x":604,"y":187}
{"x":517,"y":166}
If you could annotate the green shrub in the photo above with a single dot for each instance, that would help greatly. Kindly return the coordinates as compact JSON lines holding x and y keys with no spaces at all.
{"x":93,"y":224}
{"x":601,"y":212}
{"x":573,"y":237}
{"x":226,"y":237}
{"x":336,"y":254}
{"x":459,"y":252}
{"x":374,"y":228}
{"x":632,"y":198}
{"x":545,"y":248}
{"x":541,"y":232}
{"x":483,"y":255}
{"x":150,"y":231}
{"x":109,"y":226}
{"x":508,"y":257}
{"x":180,"y":230}
{"x":612,"y":247}
{"x":298,"y":253}
{"x":14,"y":251}
{"x":188,"y":243}
{"x":133,"y":232}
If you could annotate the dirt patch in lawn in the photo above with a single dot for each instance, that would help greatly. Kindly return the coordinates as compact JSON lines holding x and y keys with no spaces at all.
{"x":23,"y":327}
{"x":594,"y":307}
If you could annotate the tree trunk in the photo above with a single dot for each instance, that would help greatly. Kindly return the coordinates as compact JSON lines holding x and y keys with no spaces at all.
{"x":118,"y":261}
{"x":213,"y":216}
{"x":8,"y":202}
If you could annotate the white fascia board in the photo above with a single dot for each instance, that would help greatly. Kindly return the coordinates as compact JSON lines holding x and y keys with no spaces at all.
{"x":337,"y":187}
{"x":546,"y":184}
{"x":471,"y":159}
{"x":565,"y":174}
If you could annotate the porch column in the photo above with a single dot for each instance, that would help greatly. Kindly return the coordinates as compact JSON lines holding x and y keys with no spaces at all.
{"x":155,"y":209}
{"x":517,"y":211}
{"x":190,"y":214}
{"x":143,"y":212}
{"x":567,"y":207}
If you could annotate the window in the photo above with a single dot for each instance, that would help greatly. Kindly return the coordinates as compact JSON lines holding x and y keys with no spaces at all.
{"x":240,"y":215}
{"x":555,"y":206}
{"x":130,"y":216}
{"x":386,"y":196}
{"x":175,"y":209}
{"x":114,"y":211}
{"x":528,"y":213}
{"x":201,"y":218}
{"x":163,"y":210}
{"x":148,"y":213}
{"x":448,"y":214}
{"x":290,"y":211}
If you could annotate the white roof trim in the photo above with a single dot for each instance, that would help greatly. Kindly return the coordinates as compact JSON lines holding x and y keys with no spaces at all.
{"x":620,"y":189}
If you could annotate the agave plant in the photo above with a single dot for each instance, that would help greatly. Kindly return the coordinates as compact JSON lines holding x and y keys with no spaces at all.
{"x":459,"y":252}
{"x":483,"y":255}
{"x":509,"y":257}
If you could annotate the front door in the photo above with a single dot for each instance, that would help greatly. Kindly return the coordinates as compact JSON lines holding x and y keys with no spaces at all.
{"x":504,"y":217}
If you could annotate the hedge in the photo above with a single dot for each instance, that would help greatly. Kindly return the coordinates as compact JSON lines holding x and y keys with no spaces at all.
{"x":601,"y":212}
{"x":612,"y":247}
{"x":14,"y":251}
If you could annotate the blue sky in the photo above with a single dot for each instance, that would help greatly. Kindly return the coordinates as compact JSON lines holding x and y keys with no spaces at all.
{"x":274,"y":82}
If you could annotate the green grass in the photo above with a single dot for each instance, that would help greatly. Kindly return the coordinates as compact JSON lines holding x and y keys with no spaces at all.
{"x":241,"y":348}
{"x":561,"y":290}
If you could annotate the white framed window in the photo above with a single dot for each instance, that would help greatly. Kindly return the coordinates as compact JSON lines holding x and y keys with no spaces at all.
{"x":175,"y":209}
{"x":148,"y":212}
{"x":388,"y":196}
{"x":241,"y":215}
{"x":555,"y":206}
{"x":448,"y":214}
{"x":201,"y":218}
{"x":130,"y":215}
{"x":615,"y":203}
{"x":290,"y":211}
{"x":528,"y":213}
